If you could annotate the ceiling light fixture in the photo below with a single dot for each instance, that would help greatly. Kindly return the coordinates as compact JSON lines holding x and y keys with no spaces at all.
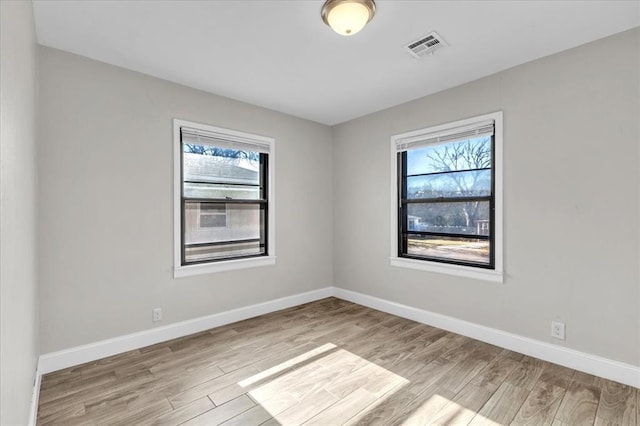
{"x":347,"y":17}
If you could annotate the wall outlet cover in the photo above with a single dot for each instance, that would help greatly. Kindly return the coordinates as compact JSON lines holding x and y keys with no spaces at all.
{"x":157,"y":314}
{"x":557,"y":330}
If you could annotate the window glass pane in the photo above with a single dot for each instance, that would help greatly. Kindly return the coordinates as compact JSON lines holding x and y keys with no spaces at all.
{"x":207,"y":252}
{"x":213,"y":208}
{"x":206,"y":190}
{"x":462,"y":155}
{"x":212,"y":221}
{"x":241,"y":235}
{"x":209,"y":165}
{"x":213,"y":215}
{"x":455,"y":184}
{"x":448,"y":248}
{"x":465,"y":218}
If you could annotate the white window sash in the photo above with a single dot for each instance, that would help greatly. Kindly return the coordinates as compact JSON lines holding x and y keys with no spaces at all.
{"x":200,"y":137}
{"x":455,"y":134}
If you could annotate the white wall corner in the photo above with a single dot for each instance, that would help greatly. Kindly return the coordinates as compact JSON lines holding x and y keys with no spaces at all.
{"x":581,"y":361}
{"x":33,"y":409}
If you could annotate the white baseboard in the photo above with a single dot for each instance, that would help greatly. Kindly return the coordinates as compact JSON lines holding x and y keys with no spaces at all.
{"x":86,"y":353}
{"x":33,"y":409}
{"x":581,"y":361}
{"x":592,"y":364}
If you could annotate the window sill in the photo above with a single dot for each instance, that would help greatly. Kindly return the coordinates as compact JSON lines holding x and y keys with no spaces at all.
{"x":226,"y":265}
{"x":442,"y":268}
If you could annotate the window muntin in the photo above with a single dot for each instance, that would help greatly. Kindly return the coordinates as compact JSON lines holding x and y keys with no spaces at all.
{"x":446,"y":197}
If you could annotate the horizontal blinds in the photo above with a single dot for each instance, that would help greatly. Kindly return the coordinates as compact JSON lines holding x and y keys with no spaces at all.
{"x":455,"y":134}
{"x":199,"y":137}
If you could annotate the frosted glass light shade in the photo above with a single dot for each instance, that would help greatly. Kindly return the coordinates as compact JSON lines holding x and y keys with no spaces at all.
{"x":347,"y":17}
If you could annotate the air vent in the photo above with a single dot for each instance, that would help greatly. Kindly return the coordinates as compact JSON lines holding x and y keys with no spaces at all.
{"x":425,"y":45}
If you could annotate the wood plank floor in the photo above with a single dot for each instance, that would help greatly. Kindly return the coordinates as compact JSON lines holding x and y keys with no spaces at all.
{"x":330,"y":362}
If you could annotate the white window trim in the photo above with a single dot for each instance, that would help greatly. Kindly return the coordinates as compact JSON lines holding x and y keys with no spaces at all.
{"x":495,"y":275}
{"x":224,"y":265}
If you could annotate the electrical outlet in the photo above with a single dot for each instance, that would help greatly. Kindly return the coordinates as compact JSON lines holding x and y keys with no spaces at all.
{"x":157,"y":314}
{"x":557,"y":330}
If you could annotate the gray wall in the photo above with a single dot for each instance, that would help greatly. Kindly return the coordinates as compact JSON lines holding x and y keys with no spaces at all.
{"x":571,"y":139}
{"x":106,"y":229}
{"x":18,"y":266}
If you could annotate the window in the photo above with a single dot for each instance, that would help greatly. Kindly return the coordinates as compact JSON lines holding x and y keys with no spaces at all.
{"x":223,"y":199}
{"x":447,"y":198}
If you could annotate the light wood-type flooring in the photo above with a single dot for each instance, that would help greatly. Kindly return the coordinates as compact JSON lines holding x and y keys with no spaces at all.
{"x":330,"y":362}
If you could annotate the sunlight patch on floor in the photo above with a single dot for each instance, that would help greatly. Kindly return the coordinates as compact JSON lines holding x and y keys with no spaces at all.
{"x":285,"y":365}
{"x":322,"y":382}
{"x":427,"y":411}
{"x":439,"y":410}
{"x":480,"y":420}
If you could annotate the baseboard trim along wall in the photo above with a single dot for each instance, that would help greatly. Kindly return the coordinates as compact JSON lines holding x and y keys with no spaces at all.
{"x":33,"y":409}
{"x":581,"y":361}
{"x":86,"y":353}
{"x":592,"y":364}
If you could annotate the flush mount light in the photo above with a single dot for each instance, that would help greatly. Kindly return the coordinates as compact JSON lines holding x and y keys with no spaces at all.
{"x":347,"y":17}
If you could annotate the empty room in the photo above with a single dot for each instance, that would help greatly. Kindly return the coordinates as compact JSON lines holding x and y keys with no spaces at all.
{"x":310,"y":212}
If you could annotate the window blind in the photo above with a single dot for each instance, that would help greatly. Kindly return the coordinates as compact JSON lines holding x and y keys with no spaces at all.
{"x":199,"y":137}
{"x":475,"y":130}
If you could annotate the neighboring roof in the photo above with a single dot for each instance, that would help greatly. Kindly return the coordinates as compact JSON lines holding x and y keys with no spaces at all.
{"x":207,"y":168}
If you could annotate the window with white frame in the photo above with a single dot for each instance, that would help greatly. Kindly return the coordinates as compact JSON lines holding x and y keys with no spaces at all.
{"x":447,"y":198}
{"x":223,"y":202}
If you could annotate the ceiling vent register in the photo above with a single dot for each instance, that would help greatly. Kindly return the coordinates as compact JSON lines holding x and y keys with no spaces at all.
{"x":425,"y":45}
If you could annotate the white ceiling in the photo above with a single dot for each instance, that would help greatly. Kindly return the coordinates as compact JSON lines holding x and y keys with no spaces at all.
{"x":280,"y":55}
